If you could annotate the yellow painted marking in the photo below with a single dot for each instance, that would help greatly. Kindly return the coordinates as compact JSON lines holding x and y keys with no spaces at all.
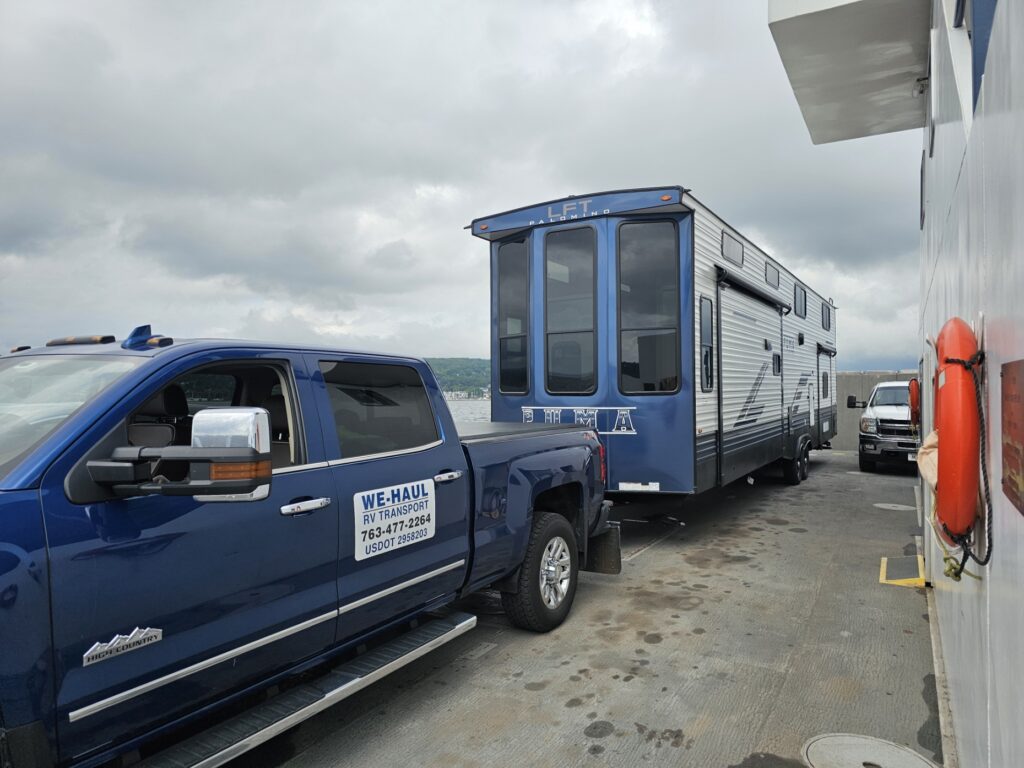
{"x":917,"y":581}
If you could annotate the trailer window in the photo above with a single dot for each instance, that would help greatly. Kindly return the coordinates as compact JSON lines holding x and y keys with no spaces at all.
{"x":826,"y":316}
{"x":732,"y":249}
{"x":569,"y":275}
{"x":771,"y":274}
{"x":800,"y":300}
{"x":648,"y":307}
{"x":513,"y":306}
{"x":707,"y":349}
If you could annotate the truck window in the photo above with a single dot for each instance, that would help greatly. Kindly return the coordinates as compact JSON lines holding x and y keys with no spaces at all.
{"x":378,"y":408}
{"x":707,"y":348}
{"x":166,"y":417}
{"x":39,"y":393}
{"x":513,"y":306}
{"x":569,"y":288}
{"x":648,"y":307}
{"x":209,"y":390}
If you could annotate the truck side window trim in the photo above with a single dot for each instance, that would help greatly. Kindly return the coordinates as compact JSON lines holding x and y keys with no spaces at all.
{"x":707,"y":344}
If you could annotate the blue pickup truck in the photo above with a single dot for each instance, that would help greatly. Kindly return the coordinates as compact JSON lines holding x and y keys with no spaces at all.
{"x":204,"y":542}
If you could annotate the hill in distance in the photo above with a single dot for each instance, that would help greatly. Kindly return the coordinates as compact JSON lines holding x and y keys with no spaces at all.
{"x":471,"y":374}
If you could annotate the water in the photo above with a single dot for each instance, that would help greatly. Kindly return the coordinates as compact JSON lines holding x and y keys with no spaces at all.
{"x":470,"y":410}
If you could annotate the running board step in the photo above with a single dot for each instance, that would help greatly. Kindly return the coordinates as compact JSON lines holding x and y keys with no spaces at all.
{"x":263,"y":722}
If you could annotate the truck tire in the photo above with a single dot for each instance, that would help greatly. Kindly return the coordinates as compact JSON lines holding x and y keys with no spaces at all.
{"x":866,"y":465}
{"x":547,"y":577}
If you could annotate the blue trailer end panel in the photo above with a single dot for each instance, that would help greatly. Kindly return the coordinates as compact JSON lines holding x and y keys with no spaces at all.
{"x":644,"y":315}
{"x":592,"y":323}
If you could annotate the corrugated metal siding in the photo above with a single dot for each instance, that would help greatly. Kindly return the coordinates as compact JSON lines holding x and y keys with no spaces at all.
{"x":751,"y":393}
{"x":799,"y":369}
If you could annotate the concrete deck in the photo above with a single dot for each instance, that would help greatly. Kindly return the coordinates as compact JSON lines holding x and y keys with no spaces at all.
{"x":726,"y":642}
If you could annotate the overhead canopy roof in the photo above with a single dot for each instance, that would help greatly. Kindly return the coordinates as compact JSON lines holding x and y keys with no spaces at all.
{"x":854,"y":64}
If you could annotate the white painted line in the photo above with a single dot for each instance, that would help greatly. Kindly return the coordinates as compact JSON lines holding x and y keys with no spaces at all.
{"x":649,"y":544}
{"x":950,"y":758}
{"x":894,"y":507}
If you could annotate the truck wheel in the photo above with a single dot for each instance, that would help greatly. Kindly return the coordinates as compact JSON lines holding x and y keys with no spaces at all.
{"x":547,"y":577}
{"x":866,"y":465}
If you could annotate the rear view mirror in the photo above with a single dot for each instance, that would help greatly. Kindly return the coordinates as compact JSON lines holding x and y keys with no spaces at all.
{"x":853,"y":402}
{"x":229,"y":460}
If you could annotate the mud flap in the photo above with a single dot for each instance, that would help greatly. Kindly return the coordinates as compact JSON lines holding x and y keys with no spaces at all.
{"x":604,"y":551}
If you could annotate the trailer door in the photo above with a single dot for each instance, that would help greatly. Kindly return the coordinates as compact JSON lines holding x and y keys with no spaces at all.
{"x":826,"y":397}
{"x":750,"y":412}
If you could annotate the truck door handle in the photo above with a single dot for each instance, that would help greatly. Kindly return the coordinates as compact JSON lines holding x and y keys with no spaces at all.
{"x":447,"y":477}
{"x":298,"y":507}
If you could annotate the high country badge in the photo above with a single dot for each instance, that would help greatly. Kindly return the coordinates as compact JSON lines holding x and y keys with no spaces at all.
{"x":122,"y":644}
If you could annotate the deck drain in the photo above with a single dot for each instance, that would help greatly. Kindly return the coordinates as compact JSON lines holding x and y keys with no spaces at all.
{"x":848,"y":750}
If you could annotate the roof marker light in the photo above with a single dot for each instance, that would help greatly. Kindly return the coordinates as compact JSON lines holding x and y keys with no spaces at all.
{"x":144,"y":338}
{"x":666,"y":198}
{"x":21,"y":348}
{"x":484,"y":226}
{"x":73,"y":340}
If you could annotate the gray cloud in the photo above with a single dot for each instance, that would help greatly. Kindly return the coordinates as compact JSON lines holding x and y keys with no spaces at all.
{"x":268,"y":170}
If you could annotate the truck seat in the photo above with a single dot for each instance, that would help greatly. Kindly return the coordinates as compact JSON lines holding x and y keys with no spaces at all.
{"x":280,"y":445}
{"x":167,"y":420}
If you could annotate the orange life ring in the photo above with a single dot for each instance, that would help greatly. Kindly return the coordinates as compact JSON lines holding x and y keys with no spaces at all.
{"x":956,"y":420}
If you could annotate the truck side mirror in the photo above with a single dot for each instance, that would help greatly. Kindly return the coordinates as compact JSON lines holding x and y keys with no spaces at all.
{"x":851,"y":401}
{"x":229,"y":460}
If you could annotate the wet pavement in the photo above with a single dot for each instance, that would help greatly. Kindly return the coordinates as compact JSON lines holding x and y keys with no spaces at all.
{"x":744,"y":623}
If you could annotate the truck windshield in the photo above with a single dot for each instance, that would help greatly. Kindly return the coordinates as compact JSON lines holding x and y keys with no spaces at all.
{"x":38,"y":394}
{"x":891,"y":396}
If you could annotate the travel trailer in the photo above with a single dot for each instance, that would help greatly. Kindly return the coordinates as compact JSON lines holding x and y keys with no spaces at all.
{"x":697,"y":356}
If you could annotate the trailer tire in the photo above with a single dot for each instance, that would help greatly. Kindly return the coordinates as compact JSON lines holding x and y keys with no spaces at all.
{"x":547,"y":577}
{"x":805,"y":461}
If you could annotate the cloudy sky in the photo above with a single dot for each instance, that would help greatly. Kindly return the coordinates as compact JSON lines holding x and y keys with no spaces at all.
{"x":304,"y":171}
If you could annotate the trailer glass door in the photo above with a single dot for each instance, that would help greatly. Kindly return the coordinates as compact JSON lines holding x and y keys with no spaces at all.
{"x":570,"y":318}
{"x":648,"y":262}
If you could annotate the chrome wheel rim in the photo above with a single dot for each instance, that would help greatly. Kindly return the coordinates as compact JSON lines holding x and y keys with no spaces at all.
{"x":555,"y":572}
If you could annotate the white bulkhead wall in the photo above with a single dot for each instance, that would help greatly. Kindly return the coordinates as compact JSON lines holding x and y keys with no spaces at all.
{"x":972,"y":267}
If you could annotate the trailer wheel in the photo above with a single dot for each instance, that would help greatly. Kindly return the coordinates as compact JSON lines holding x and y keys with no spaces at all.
{"x":805,"y":461}
{"x":548,"y":576}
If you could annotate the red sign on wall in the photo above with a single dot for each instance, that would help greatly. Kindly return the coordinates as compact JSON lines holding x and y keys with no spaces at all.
{"x":1013,"y":433}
